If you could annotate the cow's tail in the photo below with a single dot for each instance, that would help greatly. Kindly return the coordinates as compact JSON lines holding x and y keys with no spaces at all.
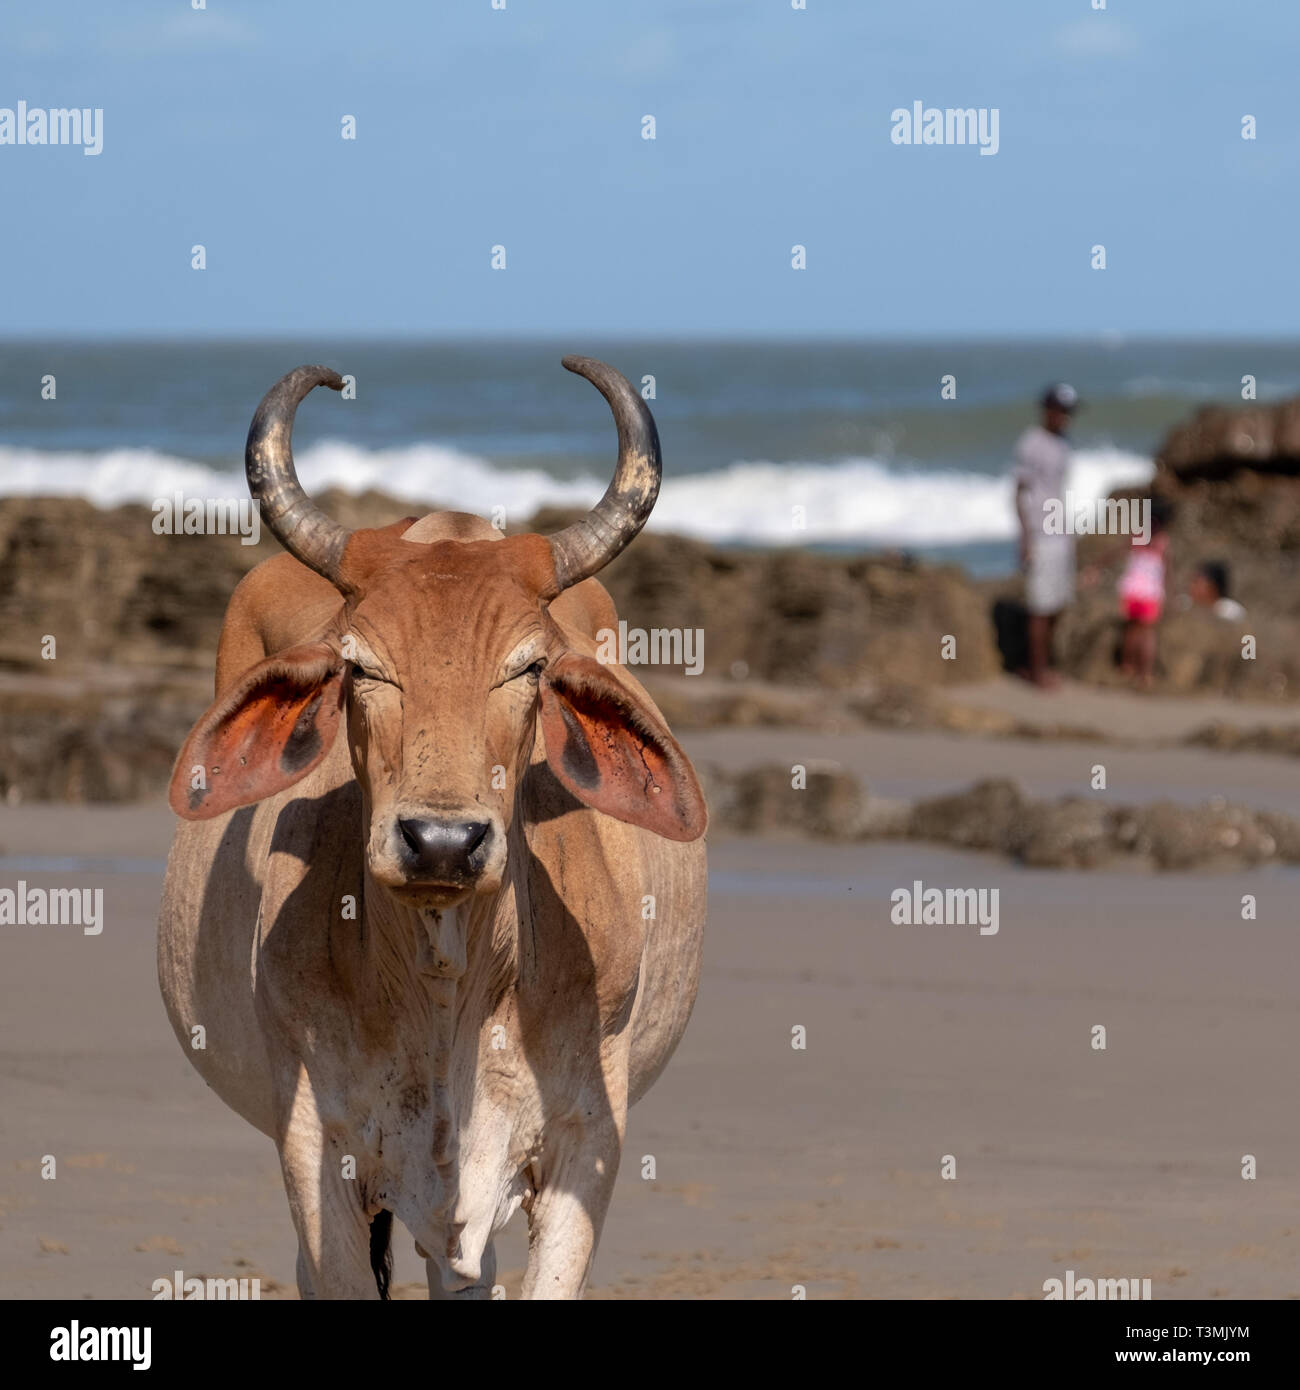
{"x":381,"y":1251}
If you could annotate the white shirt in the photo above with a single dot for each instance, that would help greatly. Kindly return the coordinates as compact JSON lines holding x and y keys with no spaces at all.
{"x":1042,"y":469}
{"x":1229,"y":609}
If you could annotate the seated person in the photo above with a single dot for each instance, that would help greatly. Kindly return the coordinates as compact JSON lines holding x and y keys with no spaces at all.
{"x":1209,"y":589}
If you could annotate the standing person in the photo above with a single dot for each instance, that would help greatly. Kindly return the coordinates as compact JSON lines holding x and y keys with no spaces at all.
{"x":1041,"y":470}
{"x":1142,"y":597}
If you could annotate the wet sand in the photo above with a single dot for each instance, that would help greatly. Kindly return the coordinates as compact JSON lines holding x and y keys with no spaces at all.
{"x":1117,"y":712}
{"x":775,"y":1167}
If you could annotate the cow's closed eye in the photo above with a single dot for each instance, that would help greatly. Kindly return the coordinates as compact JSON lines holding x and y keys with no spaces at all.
{"x":361,"y":675}
{"x":527,"y":675}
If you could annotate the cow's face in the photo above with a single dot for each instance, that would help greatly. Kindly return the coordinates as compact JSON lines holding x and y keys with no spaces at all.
{"x":439,"y":666}
{"x":446,"y":658}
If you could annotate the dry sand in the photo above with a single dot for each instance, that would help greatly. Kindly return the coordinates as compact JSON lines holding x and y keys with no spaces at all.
{"x":775,"y":1167}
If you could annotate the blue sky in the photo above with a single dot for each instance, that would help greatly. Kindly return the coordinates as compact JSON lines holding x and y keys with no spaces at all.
{"x":522,"y":127}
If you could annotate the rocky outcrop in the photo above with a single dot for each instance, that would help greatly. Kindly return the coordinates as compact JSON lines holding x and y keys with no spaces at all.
{"x":996,"y":816}
{"x":824,"y":803}
{"x":1266,"y":738}
{"x":1196,"y":652}
{"x":800,"y":618}
{"x":1249,"y":521}
{"x":112,"y":592}
{"x":91,"y":746}
{"x":1085,"y":832}
{"x":1252,"y":519}
{"x":1219,"y":440}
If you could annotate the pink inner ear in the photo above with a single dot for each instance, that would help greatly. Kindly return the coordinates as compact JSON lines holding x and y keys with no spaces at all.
{"x":603,"y":746}
{"x":268,"y":733}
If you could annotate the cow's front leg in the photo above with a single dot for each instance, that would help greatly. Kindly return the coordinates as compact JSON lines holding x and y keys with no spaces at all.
{"x":327,"y":1208}
{"x":333,"y":1229}
{"x":574,"y":1185}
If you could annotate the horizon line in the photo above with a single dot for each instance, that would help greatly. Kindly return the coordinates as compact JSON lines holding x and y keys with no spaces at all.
{"x":552,"y":338}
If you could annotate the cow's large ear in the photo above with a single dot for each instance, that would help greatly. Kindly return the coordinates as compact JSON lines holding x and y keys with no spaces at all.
{"x":266,"y":732}
{"x":614,"y":753}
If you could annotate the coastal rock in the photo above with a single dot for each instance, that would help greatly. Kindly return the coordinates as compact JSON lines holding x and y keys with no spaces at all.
{"x":1252,"y":519}
{"x":791,"y":617}
{"x":1219,"y":440}
{"x":1284,"y":831}
{"x":1196,"y":652}
{"x":1082,"y":832}
{"x":1074,"y":833}
{"x":1175,"y":836}
{"x":988,"y":815}
{"x":691,"y":703}
{"x":764,"y":800}
{"x":1228,"y":738}
{"x":90,"y":749}
{"x":784,"y":617}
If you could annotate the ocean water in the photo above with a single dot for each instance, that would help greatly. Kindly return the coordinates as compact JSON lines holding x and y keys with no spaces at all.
{"x":856,"y":434}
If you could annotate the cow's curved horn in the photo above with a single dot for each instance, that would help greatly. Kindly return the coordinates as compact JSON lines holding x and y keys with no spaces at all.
{"x":295,"y":520}
{"x":588,"y":545}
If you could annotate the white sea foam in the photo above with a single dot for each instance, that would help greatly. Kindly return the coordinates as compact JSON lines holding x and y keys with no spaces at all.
{"x":851,"y":500}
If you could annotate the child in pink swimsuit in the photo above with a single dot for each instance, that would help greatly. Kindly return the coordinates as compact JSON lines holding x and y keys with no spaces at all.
{"x":1142,"y":600}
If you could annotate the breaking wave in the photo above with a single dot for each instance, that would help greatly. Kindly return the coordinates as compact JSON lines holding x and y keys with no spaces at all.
{"x":852,"y":500}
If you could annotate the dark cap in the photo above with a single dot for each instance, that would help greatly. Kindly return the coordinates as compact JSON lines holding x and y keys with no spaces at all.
{"x":1061,"y":397}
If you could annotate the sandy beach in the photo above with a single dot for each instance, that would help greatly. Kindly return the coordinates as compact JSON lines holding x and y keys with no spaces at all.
{"x":776,"y":1167}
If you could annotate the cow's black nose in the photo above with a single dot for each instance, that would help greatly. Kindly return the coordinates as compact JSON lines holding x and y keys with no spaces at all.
{"x":441,"y":851}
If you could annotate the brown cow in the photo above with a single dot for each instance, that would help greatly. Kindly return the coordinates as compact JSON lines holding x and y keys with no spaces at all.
{"x":438,"y":895}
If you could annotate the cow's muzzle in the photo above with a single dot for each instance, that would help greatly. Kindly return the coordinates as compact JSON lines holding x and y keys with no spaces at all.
{"x":450,"y":852}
